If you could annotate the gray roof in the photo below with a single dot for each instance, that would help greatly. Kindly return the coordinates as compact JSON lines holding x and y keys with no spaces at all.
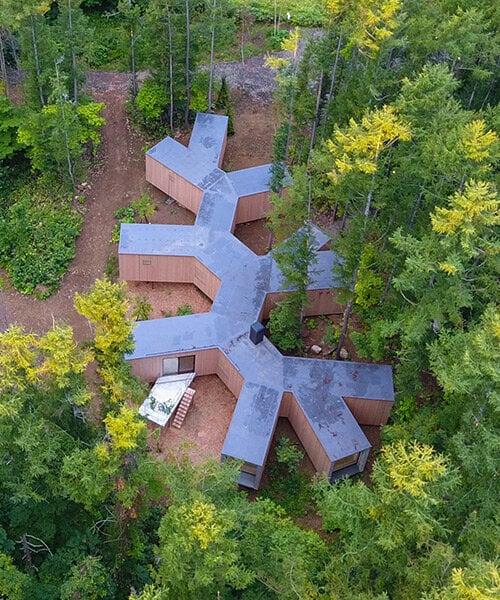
{"x":318,"y":385}
{"x":251,"y":181}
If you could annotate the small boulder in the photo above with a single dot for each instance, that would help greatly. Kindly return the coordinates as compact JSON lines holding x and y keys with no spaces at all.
{"x":316,"y":349}
{"x":343,"y":354}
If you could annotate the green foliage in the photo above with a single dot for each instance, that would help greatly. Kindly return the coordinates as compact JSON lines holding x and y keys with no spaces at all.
{"x":332,"y":335}
{"x":10,"y":120}
{"x":288,"y":454}
{"x":224,"y":104}
{"x":13,"y":583}
{"x":284,"y":323}
{"x":311,"y":323}
{"x":37,"y":241}
{"x":56,"y":137}
{"x":142,"y":308}
{"x":106,"y":307}
{"x":89,"y":579}
{"x":151,"y":102}
{"x":306,"y":14}
{"x":184,"y":309}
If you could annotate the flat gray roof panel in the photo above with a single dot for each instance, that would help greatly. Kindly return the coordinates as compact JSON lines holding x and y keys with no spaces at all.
{"x":252,"y":425}
{"x":208,"y":136}
{"x":254,"y":180}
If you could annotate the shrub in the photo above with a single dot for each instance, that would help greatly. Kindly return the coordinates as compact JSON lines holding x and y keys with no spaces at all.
{"x":184,"y":309}
{"x":284,"y":324}
{"x":311,"y":323}
{"x":288,"y":454}
{"x":332,"y":335}
{"x":143,"y":207}
{"x":151,"y":102}
{"x":9,"y":122}
{"x":37,"y":242}
{"x":142,"y":309}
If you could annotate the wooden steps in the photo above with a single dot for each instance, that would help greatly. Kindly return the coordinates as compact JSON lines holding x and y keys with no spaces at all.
{"x":183,"y":407}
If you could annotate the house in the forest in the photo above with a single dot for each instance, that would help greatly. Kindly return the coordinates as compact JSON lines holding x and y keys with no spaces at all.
{"x":325,"y":401}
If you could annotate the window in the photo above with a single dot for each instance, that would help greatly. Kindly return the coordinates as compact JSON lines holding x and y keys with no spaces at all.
{"x":178,"y":365}
{"x":186,"y":364}
{"x":170,"y":366}
{"x":146,"y":261}
{"x":347,"y":461}
{"x":249,"y":468}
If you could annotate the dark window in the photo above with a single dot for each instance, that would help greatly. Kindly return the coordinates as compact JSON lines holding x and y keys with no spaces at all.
{"x":146,"y":261}
{"x":347,"y":461}
{"x":249,"y":468}
{"x":186,"y":364}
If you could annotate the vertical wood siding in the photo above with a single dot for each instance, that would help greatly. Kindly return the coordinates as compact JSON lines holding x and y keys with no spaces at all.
{"x":172,"y":184}
{"x":369,"y":412}
{"x":253,"y":207}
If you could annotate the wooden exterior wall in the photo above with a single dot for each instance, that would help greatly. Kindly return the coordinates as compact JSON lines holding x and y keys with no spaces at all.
{"x":253,"y":207}
{"x":369,"y":412}
{"x":150,"y":368}
{"x":221,"y":157}
{"x":172,"y":184}
{"x":228,"y":374}
{"x":292,"y":411}
{"x":169,"y":269}
{"x":319,"y":302}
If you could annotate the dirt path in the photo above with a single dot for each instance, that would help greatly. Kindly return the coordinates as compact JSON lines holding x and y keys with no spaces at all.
{"x":117,"y":179}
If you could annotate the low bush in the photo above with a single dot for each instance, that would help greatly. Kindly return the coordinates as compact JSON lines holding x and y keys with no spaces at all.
{"x":305,"y":14}
{"x":37,"y":241}
{"x":184,"y":309}
{"x":150,"y":104}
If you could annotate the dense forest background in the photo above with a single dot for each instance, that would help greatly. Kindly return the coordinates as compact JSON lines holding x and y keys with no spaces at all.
{"x":387,"y":123}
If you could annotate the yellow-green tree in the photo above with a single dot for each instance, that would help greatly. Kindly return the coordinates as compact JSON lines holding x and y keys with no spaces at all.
{"x":105,"y":306}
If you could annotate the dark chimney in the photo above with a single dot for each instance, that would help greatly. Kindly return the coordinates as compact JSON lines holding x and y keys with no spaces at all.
{"x":257,"y":331}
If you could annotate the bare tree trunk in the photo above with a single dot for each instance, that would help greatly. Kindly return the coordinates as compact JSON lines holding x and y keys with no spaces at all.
{"x":69,"y":160}
{"x":333,"y":81}
{"x":316,"y":114}
{"x":15,"y":53}
{"x":132,"y":56}
{"x":74,"y":73}
{"x":3,"y":66}
{"x":37,"y":61}
{"x":212,"y":50}
{"x":188,"y":66}
{"x":170,"y":70}
{"x":345,"y":325}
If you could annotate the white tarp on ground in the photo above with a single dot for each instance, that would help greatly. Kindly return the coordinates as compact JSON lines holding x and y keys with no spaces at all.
{"x":164,"y":397}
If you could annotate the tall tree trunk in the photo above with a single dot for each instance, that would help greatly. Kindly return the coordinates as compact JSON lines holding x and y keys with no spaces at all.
{"x":132,"y":56}
{"x":37,"y":61}
{"x":188,"y":66}
{"x":316,"y":115}
{"x":170,"y":70}
{"x":15,"y":52}
{"x":74,"y":74}
{"x":333,"y":82}
{"x":212,"y":50}
{"x":350,"y":304}
{"x":69,"y":160}
{"x":3,"y":66}
{"x":345,"y":325}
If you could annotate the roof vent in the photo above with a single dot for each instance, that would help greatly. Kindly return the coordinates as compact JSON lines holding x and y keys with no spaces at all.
{"x":257,"y":331}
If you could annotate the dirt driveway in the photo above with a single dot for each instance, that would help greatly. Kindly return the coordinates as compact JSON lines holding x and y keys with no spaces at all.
{"x":116,"y":180}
